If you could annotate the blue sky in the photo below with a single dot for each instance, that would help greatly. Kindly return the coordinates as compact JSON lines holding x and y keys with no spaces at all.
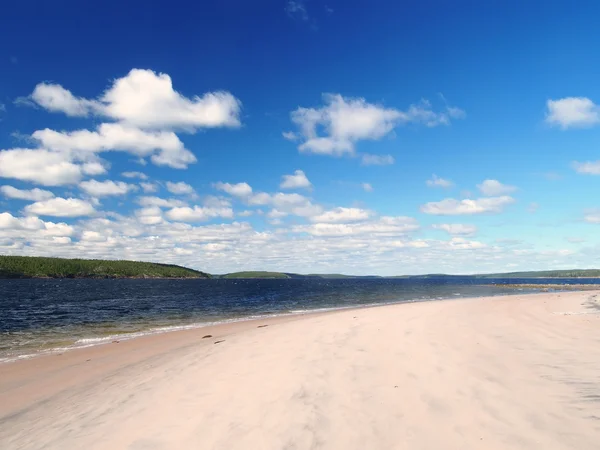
{"x":307,"y":136}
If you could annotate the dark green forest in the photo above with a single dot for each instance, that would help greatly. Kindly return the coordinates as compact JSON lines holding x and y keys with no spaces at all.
{"x":40,"y":267}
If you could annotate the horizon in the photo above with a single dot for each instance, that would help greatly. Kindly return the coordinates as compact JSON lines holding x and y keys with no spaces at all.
{"x":303,"y":137}
{"x":333,"y":273}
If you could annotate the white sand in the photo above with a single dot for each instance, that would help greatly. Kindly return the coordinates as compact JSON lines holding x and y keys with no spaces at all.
{"x":499,"y":373}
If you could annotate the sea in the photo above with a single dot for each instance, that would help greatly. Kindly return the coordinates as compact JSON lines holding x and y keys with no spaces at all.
{"x":39,"y":316}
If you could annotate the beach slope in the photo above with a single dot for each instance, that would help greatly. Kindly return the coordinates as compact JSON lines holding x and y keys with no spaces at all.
{"x":515,"y":372}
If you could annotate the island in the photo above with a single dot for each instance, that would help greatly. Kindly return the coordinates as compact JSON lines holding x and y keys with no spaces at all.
{"x":41,"y":267}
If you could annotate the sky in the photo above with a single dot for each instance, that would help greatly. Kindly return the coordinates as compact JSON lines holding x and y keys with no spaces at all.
{"x":305,"y":136}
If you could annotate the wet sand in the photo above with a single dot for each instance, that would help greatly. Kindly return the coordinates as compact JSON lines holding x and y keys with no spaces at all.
{"x":515,"y":372}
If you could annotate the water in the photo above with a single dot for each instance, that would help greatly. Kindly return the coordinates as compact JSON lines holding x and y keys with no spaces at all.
{"x":38,"y":316}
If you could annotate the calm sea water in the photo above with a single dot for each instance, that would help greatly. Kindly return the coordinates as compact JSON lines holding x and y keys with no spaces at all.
{"x":39,"y":316}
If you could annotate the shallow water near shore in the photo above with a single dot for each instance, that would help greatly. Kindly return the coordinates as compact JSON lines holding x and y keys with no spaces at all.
{"x":39,"y":316}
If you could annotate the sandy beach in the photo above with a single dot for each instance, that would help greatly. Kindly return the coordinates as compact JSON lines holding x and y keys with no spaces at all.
{"x":514,"y":372}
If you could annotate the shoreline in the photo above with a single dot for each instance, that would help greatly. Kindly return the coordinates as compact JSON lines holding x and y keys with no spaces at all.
{"x":94,"y":341}
{"x":513,"y":371}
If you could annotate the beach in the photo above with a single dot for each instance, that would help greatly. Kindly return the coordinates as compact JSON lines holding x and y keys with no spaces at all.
{"x":511,"y":372}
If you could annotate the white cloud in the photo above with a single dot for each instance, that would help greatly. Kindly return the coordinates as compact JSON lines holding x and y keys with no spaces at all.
{"x":97,"y":188}
{"x":216,"y":202}
{"x":160,"y":202}
{"x":493,"y":188}
{"x":456,"y":229}
{"x":164,"y":147}
{"x":26,"y":194}
{"x":592,"y":216}
{"x":55,"y":98}
{"x":384,"y":226}
{"x":452,"y":206}
{"x":276,"y":214}
{"x":367,"y":187}
{"x":293,"y":203}
{"x":368,"y":159}
{"x":151,"y":215}
{"x":60,"y":207}
{"x":290,"y":135}
{"x":149,"y":187}
{"x":463,"y":244}
{"x":198,"y":213}
{"x":296,"y":10}
{"x":94,"y":168}
{"x":140,"y":175}
{"x":348,"y":120}
{"x":180,"y":188}
{"x":296,"y":181}
{"x":39,"y":166}
{"x":587,"y":168}
{"x":342,"y":215}
{"x":236,"y":190}
{"x":436,"y":181}
{"x":572,"y":112}
{"x":33,"y":224}
{"x":145,"y":99}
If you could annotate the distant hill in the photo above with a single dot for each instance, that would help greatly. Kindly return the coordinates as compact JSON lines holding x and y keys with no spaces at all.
{"x":587,"y":273}
{"x":40,"y":267}
{"x":572,"y":273}
{"x":286,"y":275}
{"x":255,"y":274}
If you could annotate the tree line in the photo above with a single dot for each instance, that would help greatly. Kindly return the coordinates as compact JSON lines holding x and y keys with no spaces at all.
{"x":42,"y":267}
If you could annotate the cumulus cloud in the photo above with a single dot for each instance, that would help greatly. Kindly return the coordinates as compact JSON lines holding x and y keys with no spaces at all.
{"x":587,"y":168}
{"x":105,"y":188}
{"x":369,"y":159}
{"x":436,"y":181}
{"x":347,"y":120}
{"x":236,"y":190}
{"x":55,"y":98}
{"x":494,"y":187}
{"x":39,"y":166}
{"x":151,"y":215}
{"x":60,"y":207}
{"x":145,"y":99}
{"x":572,"y":112}
{"x":384,"y":226}
{"x":145,"y":109}
{"x":32,"y":226}
{"x":160,"y":202}
{"x":367,"y":187}
{"x":198,"y":213}
{"x":26,"y":194}
{"x":180,"y":188}
{"x":452,"y":206}
{"x":140,"y":175}
{"x":297,"y":180}
{"x":149,"y":188}
{"x":164,"y":147}
{"x":456,"y":229}
{"x":293,"y":203}
{"x":342,"y":215}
